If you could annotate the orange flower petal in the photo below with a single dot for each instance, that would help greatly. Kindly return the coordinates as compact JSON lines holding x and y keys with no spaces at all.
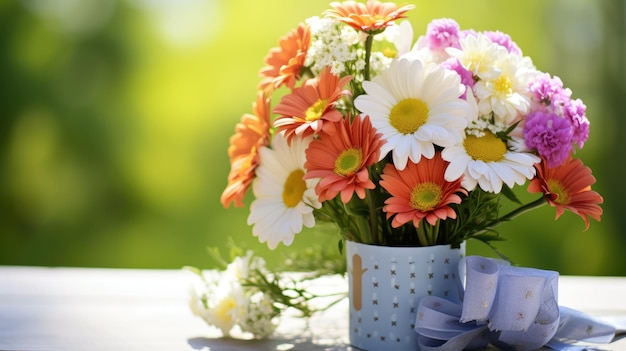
{"x":285,"y":61}
{"x":323,"y":153}
{"x":305,"y":111}
{"x":250,"y":135}
{"x":568,"y":187}
{"x":400,"y":184}
{"x":372,"y":17}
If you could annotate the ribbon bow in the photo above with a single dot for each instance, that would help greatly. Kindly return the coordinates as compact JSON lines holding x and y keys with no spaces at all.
{"x":513,"y":308}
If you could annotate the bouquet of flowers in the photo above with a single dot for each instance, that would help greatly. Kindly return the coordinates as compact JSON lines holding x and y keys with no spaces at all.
{"x":402,"y":142}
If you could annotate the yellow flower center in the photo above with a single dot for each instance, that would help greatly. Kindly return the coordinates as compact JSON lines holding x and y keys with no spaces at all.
{"x":555,"y":187}
{"x":374,"y":18}
{"x":294,"y":188}
{"x":487,"y":148}
{"x":474,"y":61}
{"x":223,"y":310}
{"x":348,"y":162}
{"x":408,"y":115}
{"x":390,"y":53}
{"x":315,"y":111}
{"x":502,"y":86}
{"x":425,"y":196}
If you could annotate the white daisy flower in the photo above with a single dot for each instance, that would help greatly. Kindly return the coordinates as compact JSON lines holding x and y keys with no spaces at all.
{"x":486,"y":161}
{"x":284,"y":201}
{"x":216,"y":300}
{"x":506,"y":95}
{"x":478,"y":54}
{"x":425,"y":55}
{"x":415,"y":106}
{"x":223,"y":314}
{"x":241,"y":266}
{"x":401,"y":35}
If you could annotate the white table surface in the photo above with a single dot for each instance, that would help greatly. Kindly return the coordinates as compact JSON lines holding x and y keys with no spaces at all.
{"x":93,"y":309}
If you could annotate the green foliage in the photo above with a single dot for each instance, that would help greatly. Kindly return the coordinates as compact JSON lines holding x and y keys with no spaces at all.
{"x":317,"y":260}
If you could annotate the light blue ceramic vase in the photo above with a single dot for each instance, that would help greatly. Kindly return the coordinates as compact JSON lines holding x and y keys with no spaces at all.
{"x":386,"y":284}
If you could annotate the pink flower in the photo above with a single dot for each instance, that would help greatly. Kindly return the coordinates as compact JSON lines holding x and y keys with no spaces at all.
{"x":551,"y":135}
{"x":442,"y":33}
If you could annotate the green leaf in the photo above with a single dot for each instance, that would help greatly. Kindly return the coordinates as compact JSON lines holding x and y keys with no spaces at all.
{"x":508,"y":192}
{"x":495,"y":249}
{"x":215,"y":254}
{"x":505,"y":135}
{"x":194,"y":270}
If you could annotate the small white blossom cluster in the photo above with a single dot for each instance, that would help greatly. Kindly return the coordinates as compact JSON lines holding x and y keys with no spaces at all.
{"x":255,"y":319}
{"x":478,"y":126}
{"x":222,"y":299}
{"x":332,"y":44}
{"x":378,"y":63}
{"x":339,"y":46}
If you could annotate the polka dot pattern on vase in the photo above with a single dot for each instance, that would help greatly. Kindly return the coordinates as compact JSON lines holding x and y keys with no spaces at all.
{"x":386,"y":284}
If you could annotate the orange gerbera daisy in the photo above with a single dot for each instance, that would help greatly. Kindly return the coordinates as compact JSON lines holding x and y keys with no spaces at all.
{"x":340,"y":158}
{"x":251,"y":133}
{"x":420,"y":191}
{"x":304,"y":111}
{"x":371,"y":18}
{"x":285,"y":61}
{"x":568,"y":186}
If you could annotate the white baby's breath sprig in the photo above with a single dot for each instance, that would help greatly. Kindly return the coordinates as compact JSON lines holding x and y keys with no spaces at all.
{"x":333,"y":44}
{"x":246,"y":294}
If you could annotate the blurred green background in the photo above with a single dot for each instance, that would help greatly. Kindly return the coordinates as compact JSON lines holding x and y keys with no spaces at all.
{"x":115,"y":117}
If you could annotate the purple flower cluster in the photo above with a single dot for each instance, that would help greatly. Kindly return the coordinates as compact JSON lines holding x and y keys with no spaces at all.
{"x":550,"y":134}
{"x":556,"y":122}
{"x":445,"y":33}
{"x":504,"y":40}
{"x":574,"y":110}
{"x":442,"y":33}
{"x":546,"y":89}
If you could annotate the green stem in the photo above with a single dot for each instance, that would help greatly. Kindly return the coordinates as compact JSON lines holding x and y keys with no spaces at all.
{"x":373,"y":217}
{"x":513,"y":214}
{"x":368,"y":53}
{"x":367,"y":232}
{"x":422,"y":234}
{"x":435,"y":233}
{"x":421,"y":237}
{"x":358,"y":224}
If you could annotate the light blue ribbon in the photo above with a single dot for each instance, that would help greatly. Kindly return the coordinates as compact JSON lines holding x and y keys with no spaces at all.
{"x":510,"y":307}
